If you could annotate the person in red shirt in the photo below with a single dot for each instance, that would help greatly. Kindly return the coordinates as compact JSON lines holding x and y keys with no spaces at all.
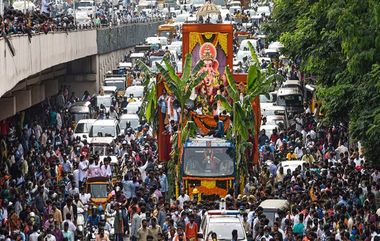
{"x":274,"y":136}
{"x":191,"y":230}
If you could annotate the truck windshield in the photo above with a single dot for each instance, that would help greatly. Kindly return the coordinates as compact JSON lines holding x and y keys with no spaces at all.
{"x":98,"y":190}
{"x":209,"y":161}
{"x":289,"y":100}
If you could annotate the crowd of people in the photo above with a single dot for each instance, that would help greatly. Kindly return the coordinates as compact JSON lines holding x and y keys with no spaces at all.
{"x":333,"y":195}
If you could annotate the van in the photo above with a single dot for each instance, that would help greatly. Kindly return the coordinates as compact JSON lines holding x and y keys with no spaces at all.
{"x":83,"y":128}
{"x":132,"y":118}
{"x":271,"y":208}
{"x":105,"y":100}
{"x":105,"y":128}
{"x":109,"y":90}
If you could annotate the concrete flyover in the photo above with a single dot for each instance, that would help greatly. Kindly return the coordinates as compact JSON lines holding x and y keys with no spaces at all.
{"x":38,"y":66}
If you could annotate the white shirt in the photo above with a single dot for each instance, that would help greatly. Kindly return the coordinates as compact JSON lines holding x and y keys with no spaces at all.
{"x":34,"y":236}
{"x":82,"y":170}
{"x":181,"y":199}
{"x":72,"y":227}
{"x":94,"y":170}
{"x":84,"y":198}
{"x":312,"y":134}
{"x":375,"y":176}
{"x":76,"y":177}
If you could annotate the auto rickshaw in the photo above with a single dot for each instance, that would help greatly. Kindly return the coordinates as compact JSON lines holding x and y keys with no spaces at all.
{"x":99,"y":188}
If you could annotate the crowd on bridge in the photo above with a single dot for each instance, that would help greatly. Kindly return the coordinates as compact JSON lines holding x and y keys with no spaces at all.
{"x":15,"y":21}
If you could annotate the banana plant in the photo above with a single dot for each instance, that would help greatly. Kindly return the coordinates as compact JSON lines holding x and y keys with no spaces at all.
{"x":149,"y":104}
{"x":182,"y":87}
{"x":243,"y":121}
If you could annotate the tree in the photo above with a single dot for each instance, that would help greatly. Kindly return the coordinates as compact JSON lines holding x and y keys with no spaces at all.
{"x":339,"y":43}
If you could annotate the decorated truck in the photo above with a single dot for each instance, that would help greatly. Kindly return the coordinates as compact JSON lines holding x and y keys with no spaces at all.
{"x":206,"y":163}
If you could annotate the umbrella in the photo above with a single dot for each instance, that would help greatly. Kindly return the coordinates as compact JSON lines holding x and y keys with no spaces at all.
{"x":208,"y":9}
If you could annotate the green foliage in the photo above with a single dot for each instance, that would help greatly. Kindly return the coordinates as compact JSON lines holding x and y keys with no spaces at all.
{"x":240,"y":107}
{"x":149,"y":106}
{"x":339,"y":42}
{"x":182,"y":86}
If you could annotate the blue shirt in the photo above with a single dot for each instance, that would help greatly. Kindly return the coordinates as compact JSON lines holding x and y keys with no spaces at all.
{"x":164,"y":183}
{"x":219,"y":129}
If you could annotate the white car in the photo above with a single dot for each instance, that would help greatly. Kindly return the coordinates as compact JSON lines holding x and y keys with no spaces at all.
{"x":133,"y":119}
{"x":263,"y":10}
{"x":222,"y":222}
{"x":109,"y":90}
{"x":21,"y":5}
{"x":272,"y":206}
{"x":290,"y":165}
{"x":105,"y":129}
{"x":82,"y":129}
{"x":87,"y":6}
{"x":137,"y":91}
{"x":82,"y":18}
{"x":157,"y":40}
{"x":133,"y":107}
{"x":181,"y":19}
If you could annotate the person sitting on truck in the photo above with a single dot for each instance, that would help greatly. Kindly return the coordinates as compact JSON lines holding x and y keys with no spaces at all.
{"x":219,"y":132}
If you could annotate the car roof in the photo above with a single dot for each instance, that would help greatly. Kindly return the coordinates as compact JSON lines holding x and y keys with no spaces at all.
{"x":275,"y":107}
{"x":137,"y":103}
{"x":292,"y":82}
{"x":106,"y":122}
{"x":129,"y":116}
{"x":87,"y":121}
{"x":268,"y":126}
{"x":292,"y":162}
{"x":109,"y":88}
{"x":224,"y":219}
{"x":105,"y":140}
{"x":289,"y":91}
{"x":274,"y":204}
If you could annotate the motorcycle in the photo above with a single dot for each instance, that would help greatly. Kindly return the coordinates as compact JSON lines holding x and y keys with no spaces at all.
{"x":110,"y":221}
{"x":91,"y":233}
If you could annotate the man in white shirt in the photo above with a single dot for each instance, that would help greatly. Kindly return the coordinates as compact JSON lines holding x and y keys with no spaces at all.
{"x":375,"y":176}
{"x":83,"y":166}
{"x":34,"y":236}
{"x":182,"y":199}
{"x":72,"y":226}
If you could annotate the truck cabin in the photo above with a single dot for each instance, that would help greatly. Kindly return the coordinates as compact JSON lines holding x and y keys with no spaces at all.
{"x":291,"y":99}
{"x":205,"y":158}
